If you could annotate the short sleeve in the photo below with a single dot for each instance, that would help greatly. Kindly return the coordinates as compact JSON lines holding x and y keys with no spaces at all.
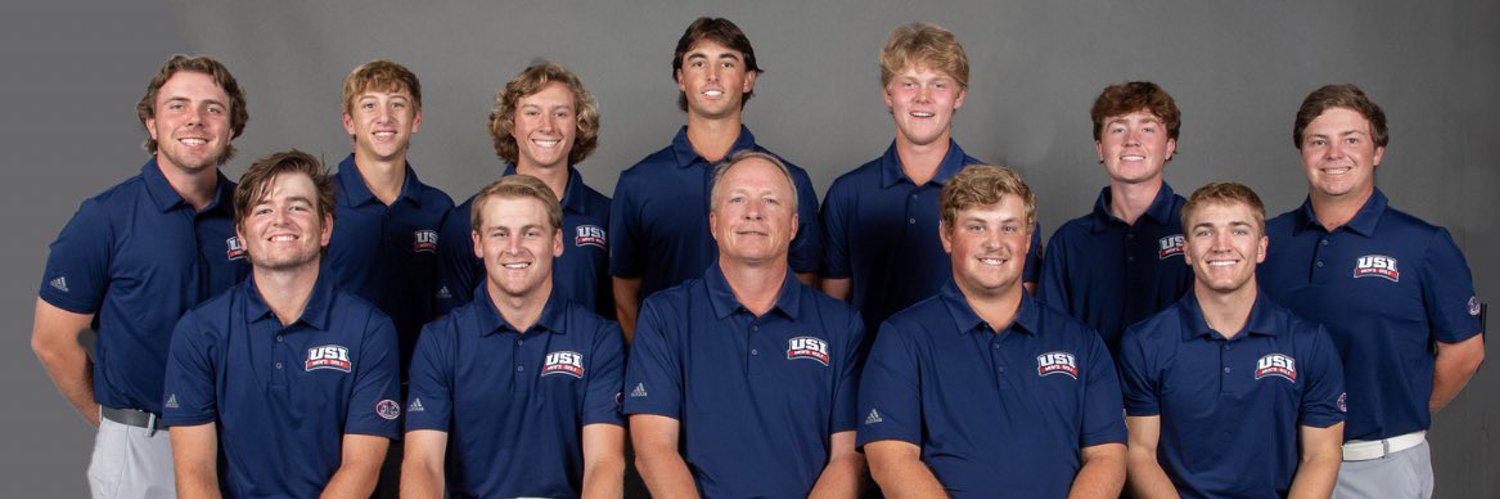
{"x":807,"y":248}
{"x":653,"y":378}
{"x":429,"y":401}
{"x":190,"y":382}
{"x":846,"y":392}
{"x":835,"y":220}
{"x":890,"y":391}
{"x":1032,"y":272}
{"x":1103,"y":417}
{"x":1052,"y":286}
{"x":601,"y":403}
{"x":1321,"y":397}
{"x":77,"y":272}
{"x":458,"y":270}
{"x":627,"y":243}
{"x":373,"y":409}
{"x":1138,"y":378}
{"x":1448,"y":291}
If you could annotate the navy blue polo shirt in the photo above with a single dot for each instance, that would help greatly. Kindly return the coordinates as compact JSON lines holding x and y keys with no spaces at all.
{"x":1230,"y":409}
{"x":757,"y":397}
{"x":991,"y":412}
{"x":660,"y":216}
{"x":388,"y":254}
{"x":513,"y":402}
{"x":283,"y":396}
{"x":138,"y":256}
{"x":581,"y":274}
{"x":881,"y":231}
{"x":1110,"y":274}
{"x":1386,"y":285}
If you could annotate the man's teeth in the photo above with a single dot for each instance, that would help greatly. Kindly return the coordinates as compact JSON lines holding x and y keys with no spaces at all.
{"x":713,"y":93}
{"x":193,"y":142}
{"x":281,"y":238}
{"x":385,"y":134}
{"x":1221,"y":263}
{"x":546,"y":143}
{"x":517,"y":265}
{"x":1133,"y":157}
{"x":992,"y":261}
{"x":921,"y":114}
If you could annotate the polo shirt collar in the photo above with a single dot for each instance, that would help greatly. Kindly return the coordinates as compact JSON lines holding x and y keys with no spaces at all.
{"x":1160,"y":210}
{"x":687,"y":156}
{"x":488,"y":321}
{"x":969,"y":321}
{"x":1363,"y":223}
{"x":167,"y":198}
{"x":353,"y":191}
{"x":572,"y":198}
{"x":315,"y":314}
{"x":1260,"y":323}
{"x":891,"y":172}
{"x":721,"y":296}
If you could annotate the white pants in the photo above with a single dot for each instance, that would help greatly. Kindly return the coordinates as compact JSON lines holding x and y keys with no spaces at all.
{"x":1405,"y":474}
{"x":130,"y":462}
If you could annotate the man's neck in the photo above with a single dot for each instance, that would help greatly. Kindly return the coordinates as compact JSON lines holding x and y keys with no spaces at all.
{"x":998,"y":309}
{"x":755,"y":285}
{"x":555,"y":176}
{"x":197,"y":188}
{"x":286,"y":292}
{"x":1226,"y":313}
{"x":1128,"y":201}
{"x":520,"y":311}
{"x":712,"y":138}
{"x":1335,"y":211}
{"x":384,"y":178}
{"x":921,"y":162}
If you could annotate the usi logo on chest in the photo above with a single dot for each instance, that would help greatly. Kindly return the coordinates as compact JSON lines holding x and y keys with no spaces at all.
{"x":807,"y":347}
{"x":590,"y":235}
{"x":1276,"y":364}
{"x":1170,"y":246}
{"x":334,"y":357}
{"x":424,"y":241}
{"x":1377,"y":266}
{"x":1057,"y":363}
{"x":563,"y":362}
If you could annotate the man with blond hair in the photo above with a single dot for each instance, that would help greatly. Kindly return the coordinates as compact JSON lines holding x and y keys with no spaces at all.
{"x":981,"y":389}
{"x":515,"y":394}
{"x":880,"y":243}
{"x":543,"y":124}
{"x":131,"y":261}
{"x":1226,"y":355}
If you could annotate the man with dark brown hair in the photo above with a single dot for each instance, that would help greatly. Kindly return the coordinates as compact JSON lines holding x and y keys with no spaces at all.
{"x":131,"y":261}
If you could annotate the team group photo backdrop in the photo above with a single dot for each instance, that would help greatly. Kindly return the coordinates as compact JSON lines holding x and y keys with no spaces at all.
{"x":1238,"y":71}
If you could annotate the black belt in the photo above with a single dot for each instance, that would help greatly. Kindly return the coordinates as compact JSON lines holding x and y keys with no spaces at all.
{"x":132,"y":417}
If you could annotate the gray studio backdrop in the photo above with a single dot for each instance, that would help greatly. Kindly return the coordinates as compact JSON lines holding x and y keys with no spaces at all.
{"x":1238,"y":69}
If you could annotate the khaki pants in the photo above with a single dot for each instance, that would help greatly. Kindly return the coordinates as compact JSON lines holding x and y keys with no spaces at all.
{"x":1405,"y":474}
{"x":130,"y":462}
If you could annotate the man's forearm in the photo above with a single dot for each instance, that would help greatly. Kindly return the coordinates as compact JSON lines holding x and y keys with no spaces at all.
{"x":421,"y":479}
{"x":840,"y":478}
{"x":1102,"y":475}
{"x":1147,"y":478}
{"x":604,"y":478}
{"x":627,"y":293}
{"x":666,"y":474}
{"x":898,"y":469}
{"x":54,"y":339}
{"x":1454,"y":365}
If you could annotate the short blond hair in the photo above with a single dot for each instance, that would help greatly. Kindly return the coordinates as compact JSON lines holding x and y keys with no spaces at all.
{"x":984,"y":185}
{"x":516,"y":187}
{"x":1225,"y":193}
{"x":381,"y":75}
{"x":926,"y":44}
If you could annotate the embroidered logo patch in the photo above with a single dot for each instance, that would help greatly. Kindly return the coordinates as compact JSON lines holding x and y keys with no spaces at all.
{"x":873,"y":417}
{"x":1051,"y":363}
{"x":1344,"y":402}
{"x":334,"y":357}
{"x":1474,"y":307}
{"x":1377,"y":266}
{"x":807,"y":347}
{"x":1170,"y":246}
{"x":590,"y":235}
{"x":424,"y":241}
{"x":564,"y":362}
{"x":235,"y":250}
{"x":388,"y":409}
{"x":1276,"y":364}
{"x":415,"y":406}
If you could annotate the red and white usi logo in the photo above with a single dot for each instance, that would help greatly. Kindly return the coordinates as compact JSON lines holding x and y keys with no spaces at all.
{"x":807,"y":347}
{"x":1051,"y":363}
{"x":565,"y":362}
{"x":1276,"y":364}
{"x":234,"y":250}
{"x":1170,"y":246}
{"x":424,"y":241}
{"x":334,"y":357}
{"x":591,"y":235}
{"x":1378,"y":266}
